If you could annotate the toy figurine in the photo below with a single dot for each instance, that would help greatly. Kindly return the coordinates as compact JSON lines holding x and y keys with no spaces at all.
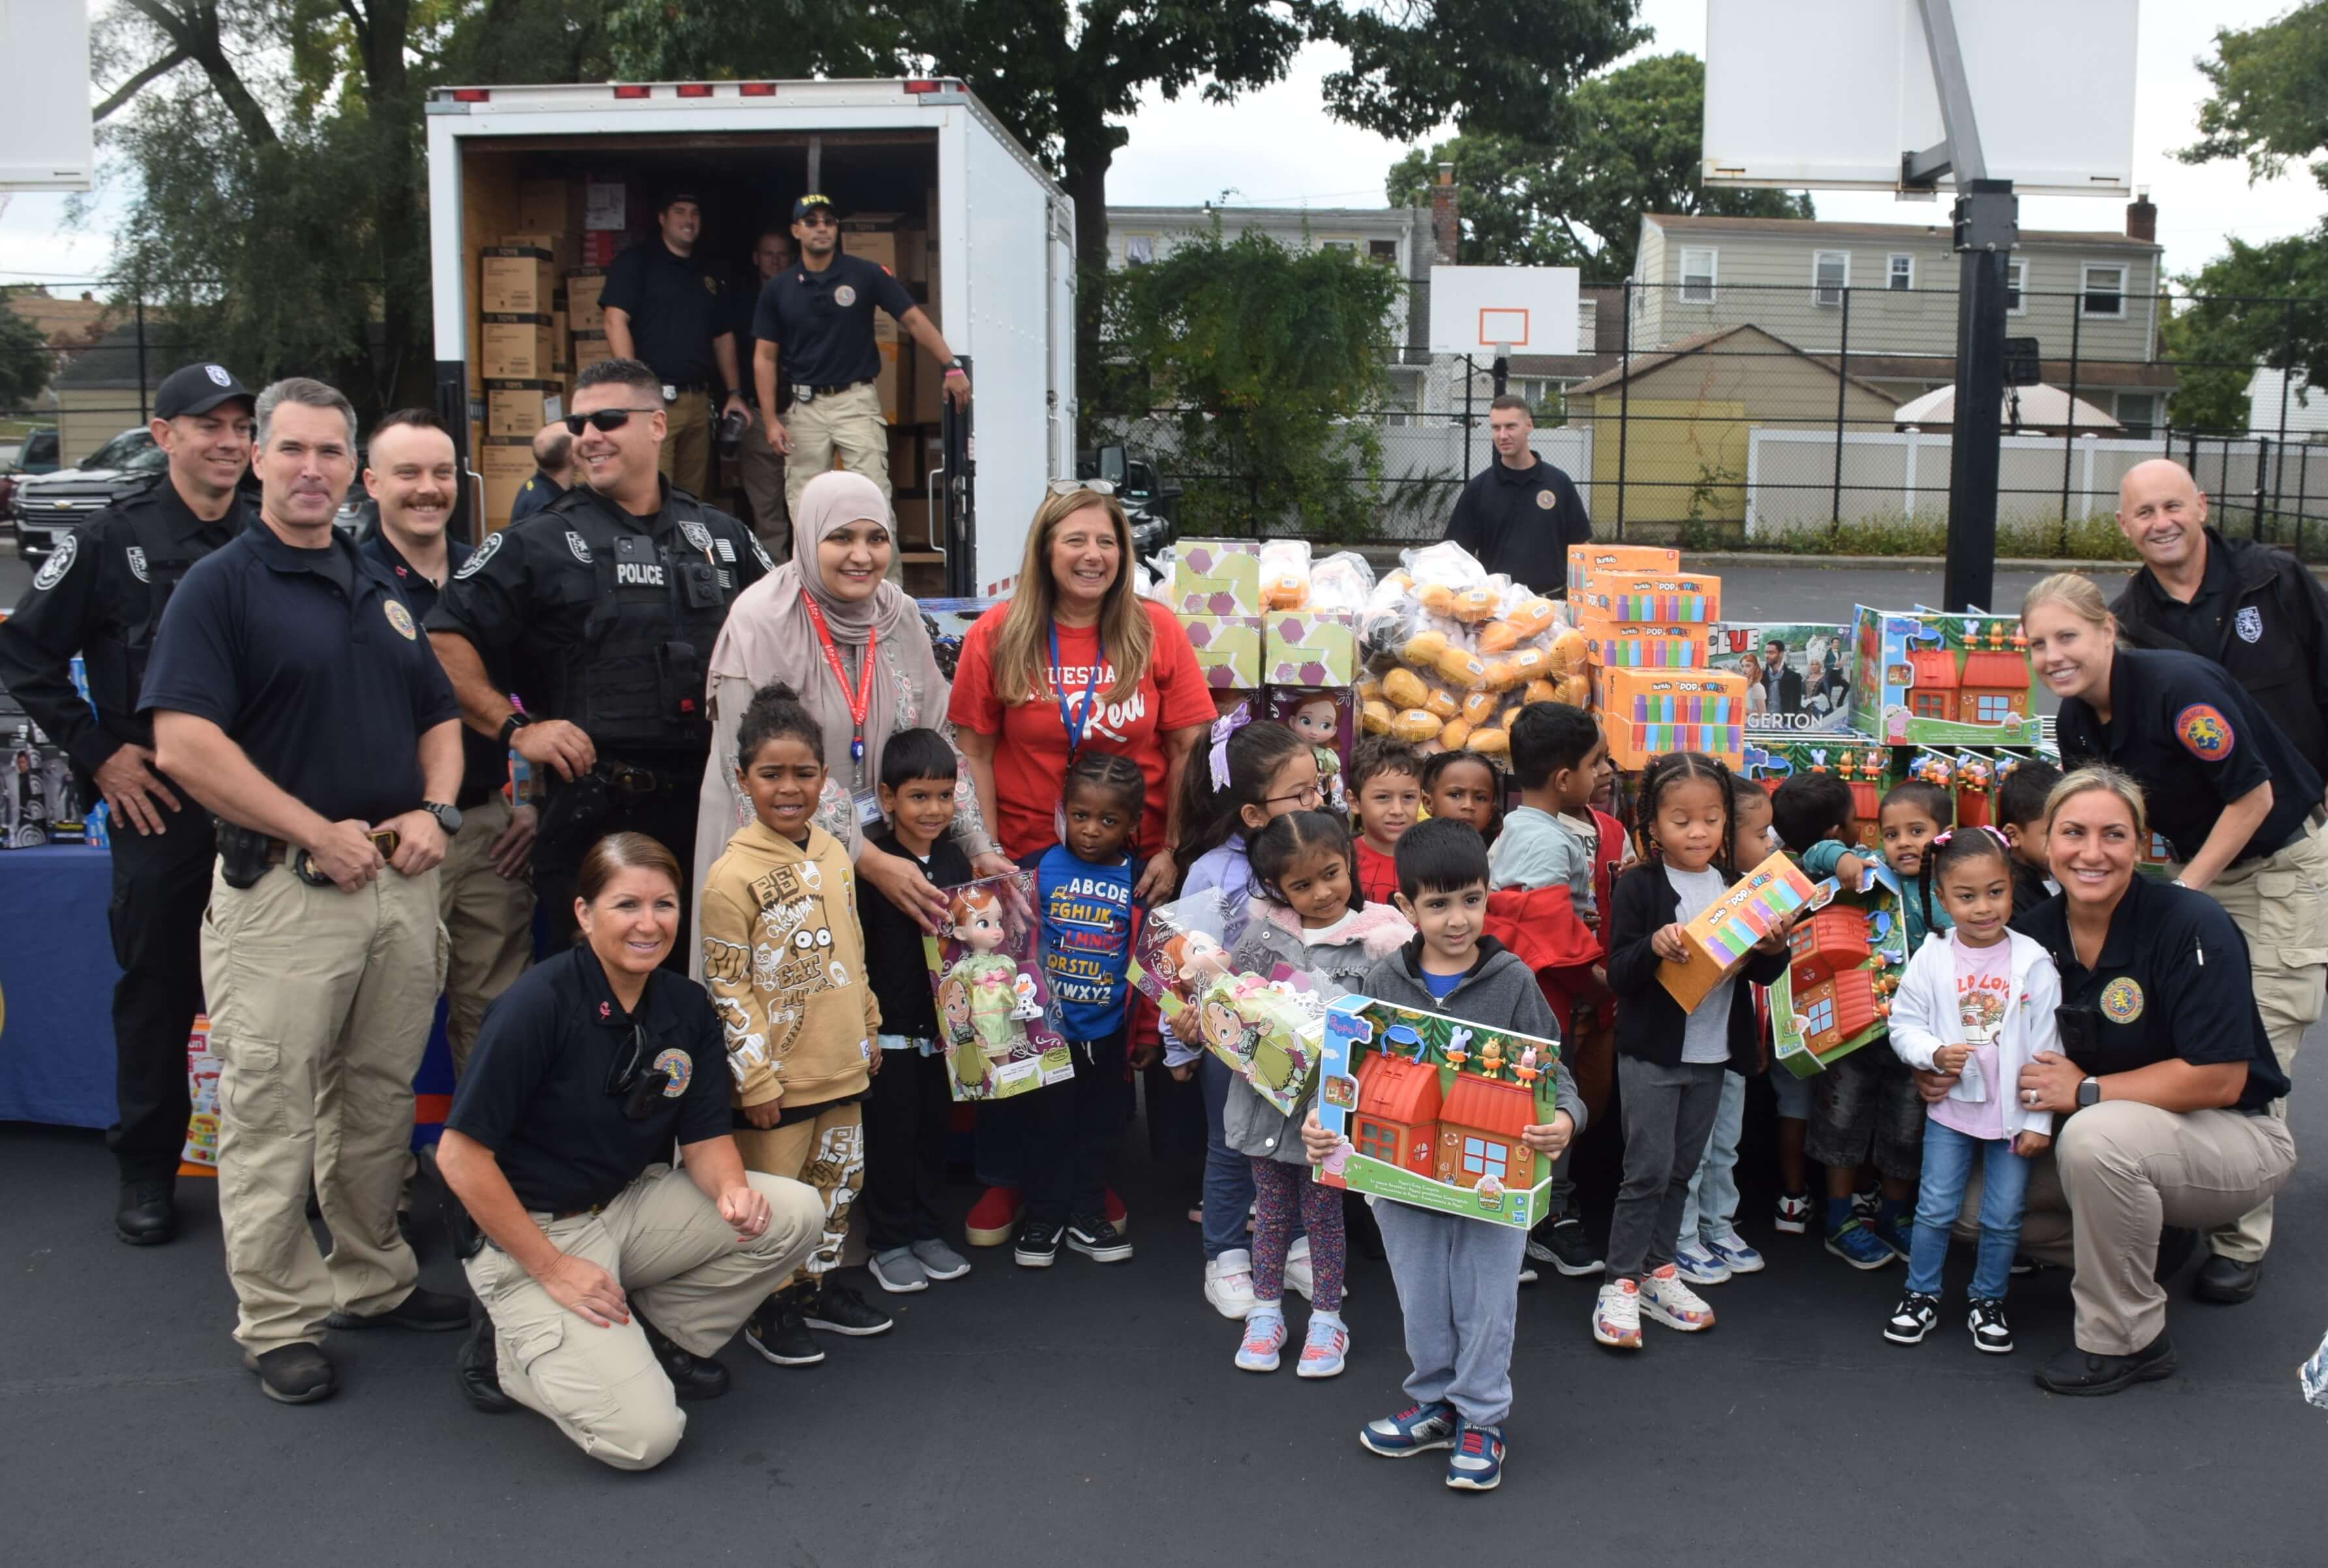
{"x":1317,"y":719}
{"x":989,"y":979}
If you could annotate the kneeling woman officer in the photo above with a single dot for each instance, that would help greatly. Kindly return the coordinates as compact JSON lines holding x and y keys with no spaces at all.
{"x":609,"y":1277}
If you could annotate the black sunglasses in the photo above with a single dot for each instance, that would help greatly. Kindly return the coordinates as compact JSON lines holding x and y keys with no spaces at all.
{"x":603,"y":420}
{"x":637,"y":1089}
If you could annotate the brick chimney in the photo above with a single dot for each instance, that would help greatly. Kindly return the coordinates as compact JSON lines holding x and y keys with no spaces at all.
{"x":1446,"y":230}
{"x":2142,"y":216}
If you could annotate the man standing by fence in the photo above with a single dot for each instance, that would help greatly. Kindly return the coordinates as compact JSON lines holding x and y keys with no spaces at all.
{"x":1520,"y":514}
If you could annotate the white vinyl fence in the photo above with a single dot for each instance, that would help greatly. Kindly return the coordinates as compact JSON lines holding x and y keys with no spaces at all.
{"x":1791,"y":480}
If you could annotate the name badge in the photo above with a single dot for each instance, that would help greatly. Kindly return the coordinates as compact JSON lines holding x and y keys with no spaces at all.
{"x":868,"y":810}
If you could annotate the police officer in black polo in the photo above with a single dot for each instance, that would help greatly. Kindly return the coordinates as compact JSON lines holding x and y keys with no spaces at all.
{"x":101,"y":595}
{"x":813,"y":328}
{"x":663,"y":305}
{"x":605,"y":606}
{"x":1520,"y":514}
{"x":2253,"y":609}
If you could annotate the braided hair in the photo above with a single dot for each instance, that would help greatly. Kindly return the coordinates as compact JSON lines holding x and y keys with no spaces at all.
{"x":1955,"y":848}
{"x":1676,"y":768}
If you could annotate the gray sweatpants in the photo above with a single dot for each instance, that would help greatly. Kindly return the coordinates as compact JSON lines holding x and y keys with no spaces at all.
{"x":1669,"y":1113}
{"x":1459,"y":1291}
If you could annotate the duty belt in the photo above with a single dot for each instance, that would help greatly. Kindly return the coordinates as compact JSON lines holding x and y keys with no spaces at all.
{"x":806,"y":394}
{"x":625,"y":780}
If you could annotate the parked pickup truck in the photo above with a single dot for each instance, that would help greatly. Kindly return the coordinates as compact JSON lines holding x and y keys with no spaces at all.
{"x":49,"y":504}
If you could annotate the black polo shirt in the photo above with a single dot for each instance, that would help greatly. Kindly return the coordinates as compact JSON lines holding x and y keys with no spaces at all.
{"x":2195,"y":743}
{"x":1520,"y":522}
{"x":2171,"y":980}
{"x":822,"y":322}
{"x":95,"y":597}
{"x":327,"y":691}
{"x":676,"y":309}
{"x":535,"y":1092}
{"x":2198,"y":625}
{"x":535,"y":494}
{"x":484,"y":761}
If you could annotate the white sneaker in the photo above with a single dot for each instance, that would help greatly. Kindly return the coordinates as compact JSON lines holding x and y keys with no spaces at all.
{"x":1228,"y":1283}
{"x":1297,"y":1268}
{"x":1617,"y":1316}
{"x":1699,"y":1267}
{"x":1665,"y":1300}
{"x":1732,"y":1252}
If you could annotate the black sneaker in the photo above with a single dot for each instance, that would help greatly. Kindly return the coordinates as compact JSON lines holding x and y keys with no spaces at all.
{"x":780,"y":1334}
{"x":1097,"y":1240}
{"x":1566,"y":1247}
{"x":838,"y":1309}
{"x":425,"y":1311}
{"x":1038,"y":1246}
{"x":692,"y":1377}
{"x":295,"y":1374}
{"x":1990,"y":1332}
{"x":1915,"y":1317}
{"x":2084,"y":1372}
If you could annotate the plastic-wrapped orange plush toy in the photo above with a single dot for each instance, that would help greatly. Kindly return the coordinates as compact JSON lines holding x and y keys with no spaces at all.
{"x":1285,"y":574}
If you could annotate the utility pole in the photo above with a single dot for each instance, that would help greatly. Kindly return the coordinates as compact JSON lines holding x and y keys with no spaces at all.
{"x":1987,"y":225}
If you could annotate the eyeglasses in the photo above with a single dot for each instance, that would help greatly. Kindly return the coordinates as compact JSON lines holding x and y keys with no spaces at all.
{"x":603,"y":420}
{"x":1308,"y":795}
{"x":1079,"y":486}
{"x":626,"y":1081}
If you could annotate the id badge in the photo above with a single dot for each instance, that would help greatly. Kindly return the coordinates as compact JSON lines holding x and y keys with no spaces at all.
{"x":669,"y":393}
{"x":868,"y":809}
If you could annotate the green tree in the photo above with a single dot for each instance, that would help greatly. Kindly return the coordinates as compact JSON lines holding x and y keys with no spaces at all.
{"x":1267,"y":362}
{"x":1627,"y":143}
{"x":2270,"y":99}
{"x":25,"y":362}
{"x":1065,"y":75}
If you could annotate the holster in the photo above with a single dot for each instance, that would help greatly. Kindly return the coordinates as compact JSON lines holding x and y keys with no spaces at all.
{"x":571,"y":821}
{"x":242,"y":854}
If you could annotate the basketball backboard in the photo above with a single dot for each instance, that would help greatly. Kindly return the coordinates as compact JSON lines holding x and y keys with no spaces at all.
{"x":1485,"y":310}
{"x":47,"y":141}
{"x":1830,"y":94}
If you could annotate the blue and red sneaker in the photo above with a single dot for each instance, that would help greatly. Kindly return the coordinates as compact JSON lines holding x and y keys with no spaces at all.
{"x":1412,"y":1431}
{"x":1477,"y":1465}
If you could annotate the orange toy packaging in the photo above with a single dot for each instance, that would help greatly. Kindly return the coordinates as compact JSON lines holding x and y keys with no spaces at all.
{"x":1586,"y":559}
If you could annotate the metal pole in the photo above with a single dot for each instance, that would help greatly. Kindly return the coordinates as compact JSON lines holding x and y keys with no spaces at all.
{"x":2302,"y":474}
{"x":1986,"y":228}
{"x":144,"y":413}
{"x":2263,"y":460}
{"x":2286,"y":376}
{"x":1624,"y":406}
{"x":2070,"y":429}
{"x":1841,"y":365}
{"x":1470,"y":373}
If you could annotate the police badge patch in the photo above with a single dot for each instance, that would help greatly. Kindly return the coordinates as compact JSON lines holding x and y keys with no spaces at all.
{"x":476,"y":563}
{"x":53,"y":570}
{"x":2249,"y":623}
{"x":678,"y":1068}
{"x":581,"y":550}
{"x":844,"y":297}
{"x":137,"y":558}
{"x":1544,"y":500}
{"x":401,"y":619}
{"x":696,"y":533}
{"x":218,"y":375}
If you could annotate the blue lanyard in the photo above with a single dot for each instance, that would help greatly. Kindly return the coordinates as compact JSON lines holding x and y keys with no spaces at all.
{"x":1075,"y":723}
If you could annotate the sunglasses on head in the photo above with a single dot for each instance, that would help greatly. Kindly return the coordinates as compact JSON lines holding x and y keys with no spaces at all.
{"x":603,"y":420}
{"x":1077,"y":486}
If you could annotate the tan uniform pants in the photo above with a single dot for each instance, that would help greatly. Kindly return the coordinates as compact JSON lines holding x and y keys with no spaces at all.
{"x":762,"y":469}
{"x":846,"y":424}
{"x":488,"y":926}
{"x":2281,"y":904}
{"x":2119,"y":1171}
{"x":680,"y":1265}
{"x":320,"y":1003}
{"x":826,"y":1152}
{"x":685,"y":459}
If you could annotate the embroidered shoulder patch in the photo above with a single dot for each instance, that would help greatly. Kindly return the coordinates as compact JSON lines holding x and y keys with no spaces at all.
{"x":2204,"y":732}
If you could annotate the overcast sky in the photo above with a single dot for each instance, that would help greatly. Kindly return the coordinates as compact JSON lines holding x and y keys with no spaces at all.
{"x":1278,"y":147}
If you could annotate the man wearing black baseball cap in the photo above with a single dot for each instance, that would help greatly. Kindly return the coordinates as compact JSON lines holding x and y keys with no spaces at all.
{"x":101,"y":595}
{"x":663,"y":306}
{"x":818,"y":315}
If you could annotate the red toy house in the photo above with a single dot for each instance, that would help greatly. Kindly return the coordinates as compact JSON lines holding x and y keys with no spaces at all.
{"x":1993,"y":688}
{"x":1935,"y":693}
{"x":1828,"y":943}
{"x":1397,"y":1117}
{"x":1835,"y":1009}
{"x":1480,"y":1133}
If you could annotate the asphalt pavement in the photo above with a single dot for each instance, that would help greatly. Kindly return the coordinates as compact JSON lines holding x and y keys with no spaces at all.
{"x":1092,"y":1413}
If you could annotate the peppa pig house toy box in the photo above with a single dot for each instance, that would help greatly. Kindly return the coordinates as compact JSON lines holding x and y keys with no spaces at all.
{"x":1931,"y":678}
{"x":1428,"y":1110}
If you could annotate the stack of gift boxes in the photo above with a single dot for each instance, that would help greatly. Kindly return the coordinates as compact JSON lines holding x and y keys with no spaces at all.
{"x":1277,"y":661}
{"x":1648,"y":626}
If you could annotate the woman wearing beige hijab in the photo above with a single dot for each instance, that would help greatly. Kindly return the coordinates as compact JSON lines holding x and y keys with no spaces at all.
{"x":814,"y":623}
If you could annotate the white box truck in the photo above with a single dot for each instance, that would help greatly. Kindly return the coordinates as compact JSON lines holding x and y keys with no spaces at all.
{"x":918,"y":169}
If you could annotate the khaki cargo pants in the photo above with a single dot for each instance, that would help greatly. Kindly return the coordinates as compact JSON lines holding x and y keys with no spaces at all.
{"x":685,"y":456}
{"x":2281,"y":904}
{"x":846,"y":424}
{"x":827,"y":1152}
{"x":762,"y":469}
{"x":2119,"y":1171}
{"x":320,"y":1003}
{"x":488,"y":924}
{"x":680,"y":1265}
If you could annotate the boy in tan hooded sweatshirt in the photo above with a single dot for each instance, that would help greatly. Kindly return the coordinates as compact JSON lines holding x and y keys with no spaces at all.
{"x":784,"y":960}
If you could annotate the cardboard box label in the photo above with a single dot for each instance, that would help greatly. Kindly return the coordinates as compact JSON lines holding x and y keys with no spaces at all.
{"x":583,"y":286}
{"x":516,"y":282}
{"x":517,"y":348}
{"x":517,"y":410}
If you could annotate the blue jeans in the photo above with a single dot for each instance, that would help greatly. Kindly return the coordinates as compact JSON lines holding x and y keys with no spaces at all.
{"x":1948,"y":1159}
{"x":1712,"y":1206}
{"x":1228,"y":1174}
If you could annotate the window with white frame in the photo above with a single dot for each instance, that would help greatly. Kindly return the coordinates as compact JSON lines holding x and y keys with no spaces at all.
{"x":2102,"y":290}
{"x":1697,"y":265}
{"x":1900,"y":271}
{"x":2016,"y":277}
{"x":1351,"y":246}
{"x":1830,"y":275}
{"x":1139,"y":249}
{"x":1384,"y":252}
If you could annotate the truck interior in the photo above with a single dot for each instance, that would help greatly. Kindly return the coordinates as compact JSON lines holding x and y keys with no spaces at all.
{"x":884,"y":184}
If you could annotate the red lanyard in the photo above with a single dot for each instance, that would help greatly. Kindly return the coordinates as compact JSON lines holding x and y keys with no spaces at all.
{"x":863,"y":697}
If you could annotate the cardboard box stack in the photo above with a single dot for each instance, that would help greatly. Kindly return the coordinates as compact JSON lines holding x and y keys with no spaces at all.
{"x":1638,"y":610}
{"x":1216,"y":593}
{"x":1646,"y":713}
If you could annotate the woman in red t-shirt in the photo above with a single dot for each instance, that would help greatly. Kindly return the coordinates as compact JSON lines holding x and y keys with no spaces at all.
{"x":1074,"y":660}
